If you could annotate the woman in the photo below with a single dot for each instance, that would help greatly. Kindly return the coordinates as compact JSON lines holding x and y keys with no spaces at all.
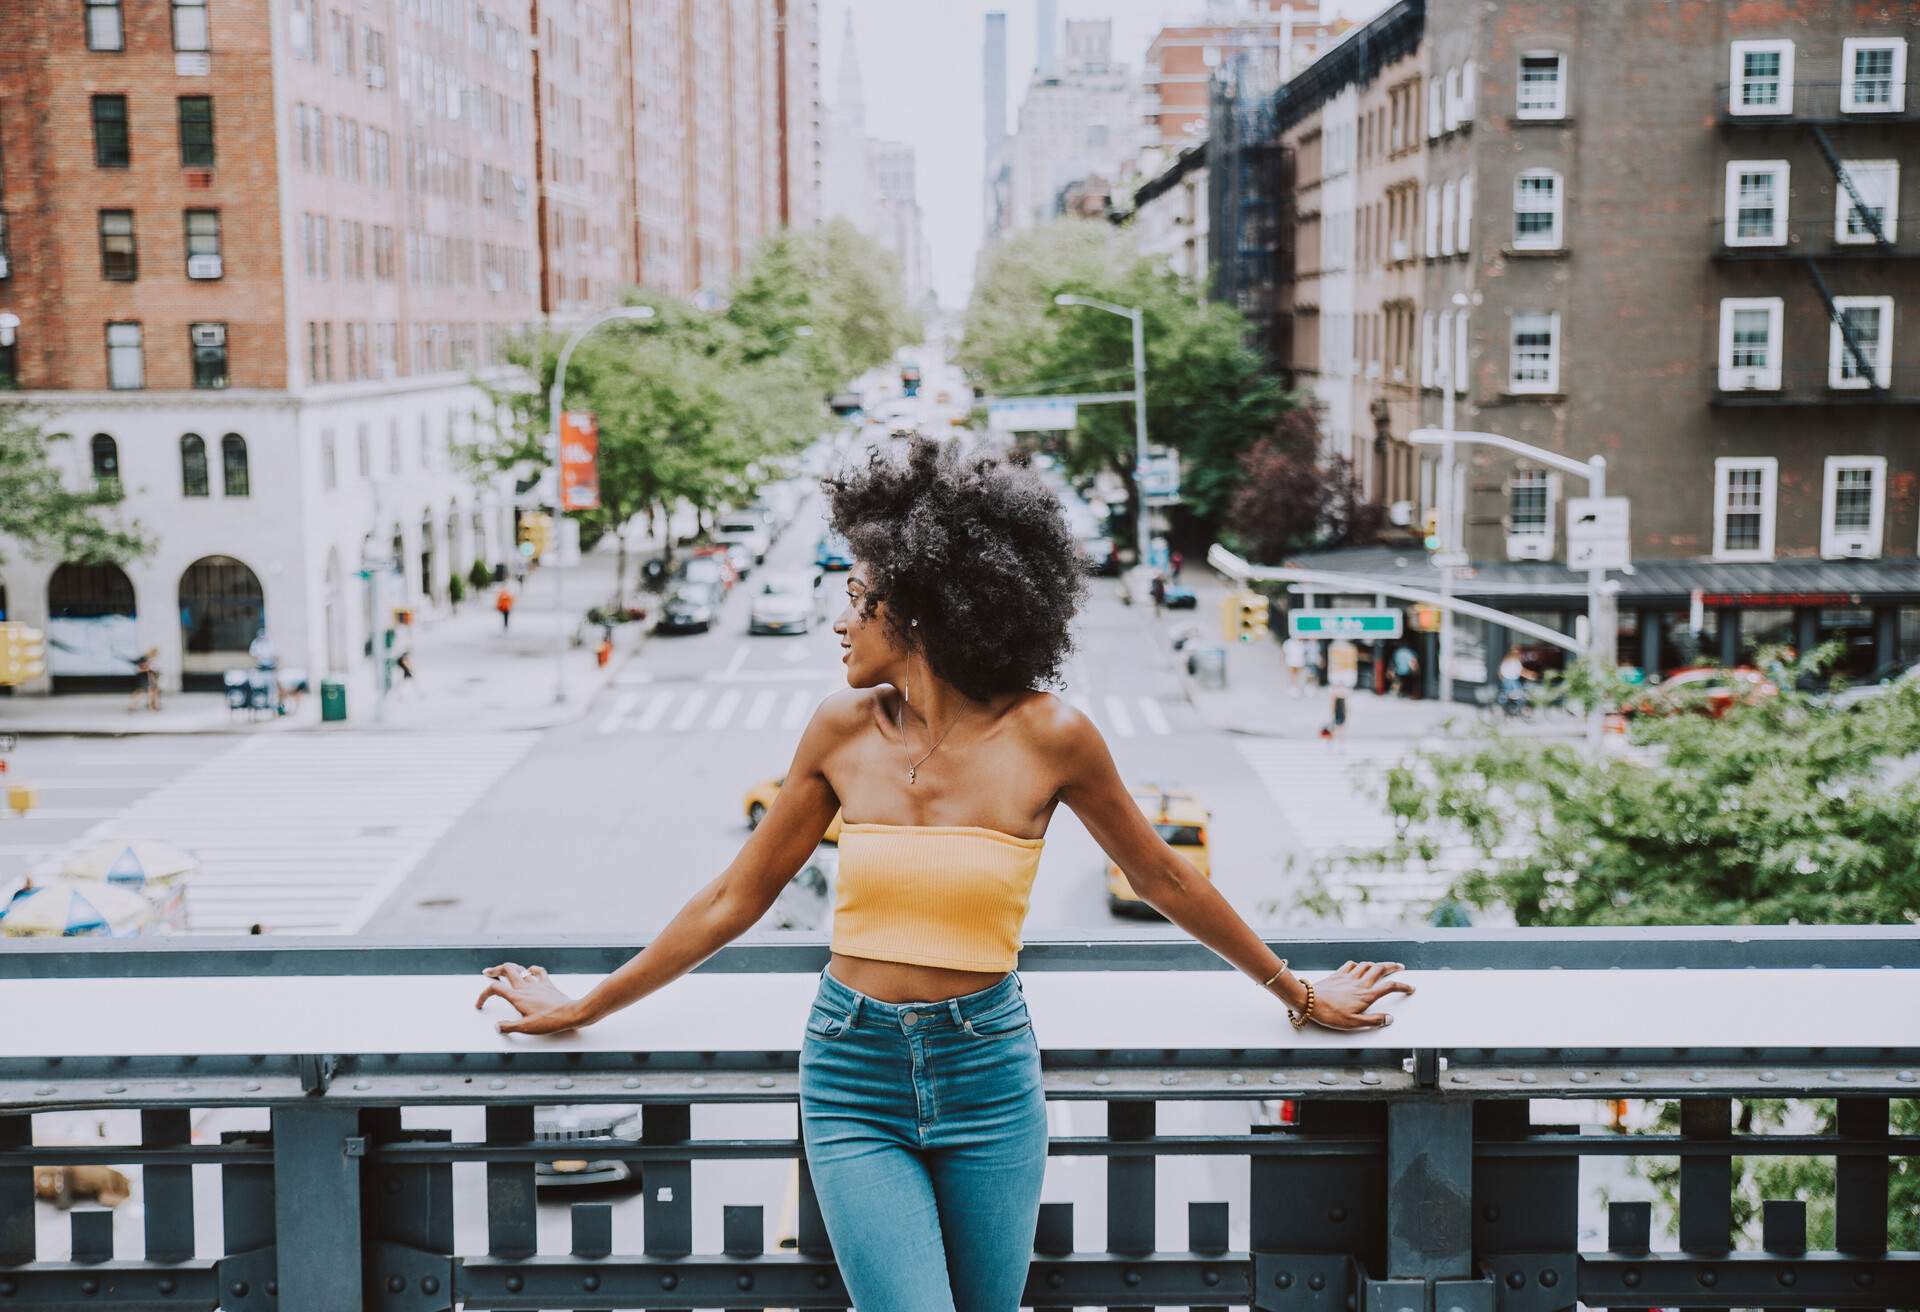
{"x":920,"y":1093}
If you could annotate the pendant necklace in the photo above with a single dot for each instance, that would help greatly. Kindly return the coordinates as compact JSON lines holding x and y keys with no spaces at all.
{"x":913,"y":766}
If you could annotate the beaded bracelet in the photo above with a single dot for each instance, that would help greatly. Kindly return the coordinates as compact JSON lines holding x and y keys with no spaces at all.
{"x":1305,"y":1014}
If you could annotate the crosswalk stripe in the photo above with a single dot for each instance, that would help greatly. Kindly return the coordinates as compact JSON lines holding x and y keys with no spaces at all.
{"x":723,"y":709}
{"x":1122,"y":722}
{"x":1155,"y":717}
{"x":656,"y":711}
{"x":796,"y":713}
{"x":624,"y":704}
{"x":689,"y":712}
{"x":762,"y":707}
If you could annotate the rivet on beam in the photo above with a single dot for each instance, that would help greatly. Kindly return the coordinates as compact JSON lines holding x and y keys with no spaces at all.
{"x":1460,"y":1077}
{"x":1698,"y":1077}
{"x":1629,"y":1077}
{"x":1905,"y":1077}
{"x":496,"y":1083}
{"x":251,"y":1086}
{"x":1528,"y":1077}
{"x":1577,"y":1077}
{"x":1838,"y":1077}
{"x":1371,"y":1077}
{"x":1328,"y":1077}
{"x":363,"y":1084}
{"x":563,"y":1083}
{"x":1238,"y":1078}
{"x":428,"y":1086}
{"x":1768,"y":1077}
{"x":699,"y":1081}
{"x":631,"y":1082}
{"x":1169,"y":1078}
{"x":1277,"y":1078}
{"x":765,"y":1081}
{"x":116,"y":1087}
{"x":1103,"y":1078}
{"x":43,"y":1091}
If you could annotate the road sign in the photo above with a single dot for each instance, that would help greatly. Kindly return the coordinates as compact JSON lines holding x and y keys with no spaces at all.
{"x":1159,"y":478}
{"x":1033,"y":414}
{"x":1343,"y":623}
{"x":579,"y":461}
{"x":1597,"y":533}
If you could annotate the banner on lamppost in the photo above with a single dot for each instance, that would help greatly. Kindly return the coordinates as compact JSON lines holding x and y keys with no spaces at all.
{"x":579,"y":460}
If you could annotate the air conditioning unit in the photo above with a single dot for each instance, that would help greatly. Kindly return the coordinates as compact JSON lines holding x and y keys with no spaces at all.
{"x":1529,"y":546}
{"x":203,"y":266}
{"x":1746,"y":380}
{"x":1853,"y":547}
{"x":5,"y":268}
{"x":209,"y":334}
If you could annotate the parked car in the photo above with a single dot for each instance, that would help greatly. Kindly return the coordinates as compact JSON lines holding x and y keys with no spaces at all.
{"x":1711,"y":691}
{"x":1892,"y":675}
{"x":759,"y":801}
{"x":1181,"y":820}
{"x":561,"y":1125}
{"x":783,"y":604}
{"x":833,"y":553}
{"x":744,"y":531}
{"x":708,"y":566}
{"x":807,"y":900}
{"x":690,"y":608}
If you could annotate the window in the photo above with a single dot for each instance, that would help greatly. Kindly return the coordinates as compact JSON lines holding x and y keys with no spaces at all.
{"x":209,"y":342}
{"x":1449,"y":214}
{"x":5,"y":262}
{"x":203,"y":244}
{"x":1756,"y":202}
{"x":106,"y":461}
{"x":193,"y":465}
{"x":1743,"y":507}
{"x":1873,"y":75}
{"x":1750,"y":343}
{"x":1427,"y":343}
{"x":1529,"y":515}
{"x":1466,"y":92}
{"x":300,"y":28}
{"x":1761,"y":78}
{"x":1460,"y":351}
{"x":1870,"y":320}
{"x":1463,"y":242}
{"x":119,"y":261}
{"x":1434,"y":119}
{"x":110,"y":150}
{"x":196,"y":132}
{"x":1852,"y":505}
{"x":1535,"y":360}
{"x":190,"y":25}
{"x":329,"y":461}
{"x":1542,"y":88}
{"x":234,"y":475}
{"x":1453,"y":98}
{"x":105,"y":31}
{"x":1878,"y":182}
{"x":1537,"y":203}
{"x":364,"y":444}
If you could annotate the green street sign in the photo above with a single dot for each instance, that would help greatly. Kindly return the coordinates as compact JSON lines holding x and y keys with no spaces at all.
{"x":1343,"y":623}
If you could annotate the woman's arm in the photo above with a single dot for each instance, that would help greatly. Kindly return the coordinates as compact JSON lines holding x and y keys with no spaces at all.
{"x":712,"y":917}
{"x":1169,"y":884}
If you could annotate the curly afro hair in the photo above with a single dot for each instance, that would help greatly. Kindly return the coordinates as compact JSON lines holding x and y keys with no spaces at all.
{"x":973,"y":546}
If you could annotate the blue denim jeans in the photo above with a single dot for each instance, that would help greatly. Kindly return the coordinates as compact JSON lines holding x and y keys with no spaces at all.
{"x":926,"y":1135}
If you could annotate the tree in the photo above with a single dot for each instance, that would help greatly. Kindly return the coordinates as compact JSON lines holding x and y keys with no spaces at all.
{"x":38,"y":511}
{"x":1291,"y":497}
{"x":1209,"y":394}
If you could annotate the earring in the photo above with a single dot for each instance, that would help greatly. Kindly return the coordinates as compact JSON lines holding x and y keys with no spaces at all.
{"x":906,"y":689}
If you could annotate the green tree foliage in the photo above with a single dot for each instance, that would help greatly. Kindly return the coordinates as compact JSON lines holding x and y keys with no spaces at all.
{"x":1209,"y":394}
{"x":40,"y":512}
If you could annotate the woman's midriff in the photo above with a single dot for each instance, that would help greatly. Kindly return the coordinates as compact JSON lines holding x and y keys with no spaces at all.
{"x":898,"y":981}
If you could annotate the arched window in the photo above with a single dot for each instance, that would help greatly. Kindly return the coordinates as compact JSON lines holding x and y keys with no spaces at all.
{"x":233,"y":466}
{"x":106,"y":461}
{"x":193,"y":465}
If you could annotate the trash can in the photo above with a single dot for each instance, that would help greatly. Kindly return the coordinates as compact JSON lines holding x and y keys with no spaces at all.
{"x":1208,"y":666}
{"x":333,"y":699}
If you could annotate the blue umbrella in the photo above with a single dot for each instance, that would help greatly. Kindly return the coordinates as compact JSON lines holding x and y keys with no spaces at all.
{"x":60,"y":909}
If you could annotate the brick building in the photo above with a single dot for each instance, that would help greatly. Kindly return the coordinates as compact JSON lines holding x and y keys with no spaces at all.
{"x":1670,"y":235}
{"x":261,"y":266}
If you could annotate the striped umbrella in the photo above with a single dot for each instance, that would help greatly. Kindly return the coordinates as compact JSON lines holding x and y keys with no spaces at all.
{"x":58,"y":908}
{"x":135,"y":862}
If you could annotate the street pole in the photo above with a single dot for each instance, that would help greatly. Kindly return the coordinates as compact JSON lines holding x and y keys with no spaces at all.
{"x":1445,"y":525}
{"x":1601,"y":617}
{"x":556,"y":397}
{"x":1139,"y":436}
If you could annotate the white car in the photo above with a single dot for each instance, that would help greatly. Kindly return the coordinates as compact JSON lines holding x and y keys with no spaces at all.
{"x":783,"y":604}
{"x":744,"y":531}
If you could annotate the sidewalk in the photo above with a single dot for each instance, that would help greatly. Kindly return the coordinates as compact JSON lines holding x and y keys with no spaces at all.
{"x":471,"y":673}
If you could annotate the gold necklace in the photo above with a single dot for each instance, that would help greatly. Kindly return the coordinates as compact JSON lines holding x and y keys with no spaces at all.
{"x":913,"y":766}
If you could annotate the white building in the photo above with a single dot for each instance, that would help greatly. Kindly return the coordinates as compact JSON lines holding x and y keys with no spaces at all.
{"x":873,"y":184}
{"x":1081,"y":122}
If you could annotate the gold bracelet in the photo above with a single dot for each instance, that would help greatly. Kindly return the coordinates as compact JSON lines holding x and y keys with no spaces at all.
{"x":1276,"y":974}
{"x":1305,"y":1014}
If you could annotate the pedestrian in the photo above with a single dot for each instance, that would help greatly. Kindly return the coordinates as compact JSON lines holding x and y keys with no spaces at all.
{"x":1405,"y":666}
{"x":146,"y":680}
{"x":404,"y":664}
{"x":1513,"y":676}
{"x":1159,"y":591}
{"x":1343,"y":676}
{"x":1175,"y":559}
{"x":920,"y":990}
{"x":504,"y":604}
{"x":1296,"y":652}
{"x":266,"y":660}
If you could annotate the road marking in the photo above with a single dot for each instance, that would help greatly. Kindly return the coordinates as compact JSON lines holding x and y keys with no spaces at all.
{"x":723,"y":709}
{"x":656,"y":711}
{"x":689,"y":711}
{"x":738,"y":659}
{"x":796,"y":713}
{"x":762,"y":707}
{"x":1155,"y":717}
{"x":624,"y":704}
{"x":1122,"y":722}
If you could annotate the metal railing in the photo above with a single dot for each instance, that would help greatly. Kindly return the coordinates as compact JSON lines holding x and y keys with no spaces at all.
{"x":1825,"y":103}
{"x":1813,"y":385}
{"x":1431,"y":1167}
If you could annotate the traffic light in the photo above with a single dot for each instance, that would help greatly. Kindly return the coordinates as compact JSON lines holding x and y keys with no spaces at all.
{"x":23,"y":653}
{"x":1245,"y":616}
{"x":1432,"y":530}
{"x":537,"y":529}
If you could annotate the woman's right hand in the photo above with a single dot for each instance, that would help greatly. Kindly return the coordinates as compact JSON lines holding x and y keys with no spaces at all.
{"x":543,"y":1008}
{"x":1340,"y":1001}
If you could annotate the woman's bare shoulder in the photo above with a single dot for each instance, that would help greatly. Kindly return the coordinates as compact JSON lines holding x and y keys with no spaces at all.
{"x":1054,"y":724}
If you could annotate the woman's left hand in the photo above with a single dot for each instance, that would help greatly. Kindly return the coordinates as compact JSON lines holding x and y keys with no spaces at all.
{"x":543,"y":1008}
{"x":1340,"y":1001}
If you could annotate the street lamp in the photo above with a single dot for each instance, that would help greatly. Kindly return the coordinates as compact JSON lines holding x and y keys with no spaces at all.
{"x":556,"y":398}
{"x":1594,"y":471}
{"x":1139,"y":412}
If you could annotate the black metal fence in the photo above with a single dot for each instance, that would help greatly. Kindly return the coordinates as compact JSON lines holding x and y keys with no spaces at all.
{"x":1422,"y":1179}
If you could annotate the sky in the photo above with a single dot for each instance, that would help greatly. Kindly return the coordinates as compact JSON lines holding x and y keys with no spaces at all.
{"x":920,"y":64}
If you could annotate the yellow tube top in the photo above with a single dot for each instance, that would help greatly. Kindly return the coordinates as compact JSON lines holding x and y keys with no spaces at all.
{"x":933,"y":895}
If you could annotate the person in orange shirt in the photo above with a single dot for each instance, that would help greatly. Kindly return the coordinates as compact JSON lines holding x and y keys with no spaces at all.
{"x":504,"y":604}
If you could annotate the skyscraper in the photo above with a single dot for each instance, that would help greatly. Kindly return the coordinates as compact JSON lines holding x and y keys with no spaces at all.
{"x":993,"y":72}
{"x":1046,"y":32}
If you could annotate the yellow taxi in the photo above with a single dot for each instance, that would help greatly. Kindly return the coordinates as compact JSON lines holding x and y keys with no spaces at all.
{"x":760,"y":800}
{"x":1181,"y":821}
